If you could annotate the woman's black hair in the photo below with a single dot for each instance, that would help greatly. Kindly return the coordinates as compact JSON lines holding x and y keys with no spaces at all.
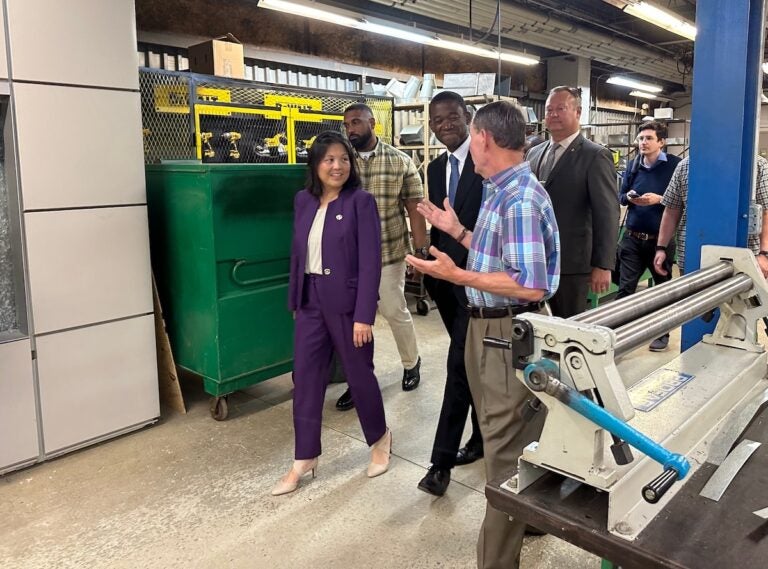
{"x":317,"y":152}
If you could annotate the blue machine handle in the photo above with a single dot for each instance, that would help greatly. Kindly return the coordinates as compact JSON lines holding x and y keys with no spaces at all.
{"x":539,"y":377}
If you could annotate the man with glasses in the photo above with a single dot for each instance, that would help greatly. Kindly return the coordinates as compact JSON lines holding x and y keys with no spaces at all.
{"x":642,"y":193}
{"x":581,"y":181}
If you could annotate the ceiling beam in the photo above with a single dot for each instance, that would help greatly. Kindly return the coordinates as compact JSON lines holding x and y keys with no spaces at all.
{"x":537,"y":29}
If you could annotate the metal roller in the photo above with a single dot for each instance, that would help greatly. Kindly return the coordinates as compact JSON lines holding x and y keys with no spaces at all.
{"x":671,"y":415}
{"x":630,"y":308}
{"x":653,"y":325}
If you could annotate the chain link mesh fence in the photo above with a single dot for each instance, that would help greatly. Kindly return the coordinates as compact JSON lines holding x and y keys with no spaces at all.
{"x":187,"y":117}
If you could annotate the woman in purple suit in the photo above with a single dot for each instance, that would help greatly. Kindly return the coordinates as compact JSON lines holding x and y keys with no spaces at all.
{"x":334,"y":283}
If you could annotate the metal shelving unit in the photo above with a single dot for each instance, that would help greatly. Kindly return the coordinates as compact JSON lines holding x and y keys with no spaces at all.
{"x":417,"y":113}
{"x":631,"y":128}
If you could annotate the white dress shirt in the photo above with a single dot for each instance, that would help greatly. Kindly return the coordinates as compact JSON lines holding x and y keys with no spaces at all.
{"x":461,"y":155}
{"x":560,"y":150}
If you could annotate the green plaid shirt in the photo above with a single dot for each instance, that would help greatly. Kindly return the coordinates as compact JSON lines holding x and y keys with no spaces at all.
{"x":391,"y":176}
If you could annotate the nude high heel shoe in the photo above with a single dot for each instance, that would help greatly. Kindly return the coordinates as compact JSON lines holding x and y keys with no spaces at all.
{"x":380,"y":454}
{"x":290,"y":481}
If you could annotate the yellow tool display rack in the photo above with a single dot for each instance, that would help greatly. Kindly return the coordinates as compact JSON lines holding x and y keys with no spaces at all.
{"x":187,"y":116}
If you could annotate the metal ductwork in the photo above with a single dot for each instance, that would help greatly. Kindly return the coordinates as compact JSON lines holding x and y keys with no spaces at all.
{"x":534,"y":28}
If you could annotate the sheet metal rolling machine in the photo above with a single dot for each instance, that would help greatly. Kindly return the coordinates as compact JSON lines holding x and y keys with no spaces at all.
{"x":671,"y":417}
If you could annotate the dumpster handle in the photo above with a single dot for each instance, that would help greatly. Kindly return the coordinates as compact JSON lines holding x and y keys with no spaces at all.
{"x":260,"y":280}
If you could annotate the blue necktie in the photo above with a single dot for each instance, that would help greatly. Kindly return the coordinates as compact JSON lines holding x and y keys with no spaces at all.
{"x":453,"y":181}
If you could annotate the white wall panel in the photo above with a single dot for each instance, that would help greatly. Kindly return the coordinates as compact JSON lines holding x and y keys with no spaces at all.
{"x":3,"y":59}
{"x":79,"y":147}
{"x":97,"y":380}
{"x":88,"y":266}
{"x":81,"y":42}
{"x":18,"y":423}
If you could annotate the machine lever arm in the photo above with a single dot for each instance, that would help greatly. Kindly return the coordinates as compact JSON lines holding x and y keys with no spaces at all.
{"x":538,"y":377}
{"x":492,"y":342}
{"x":656,"y":488}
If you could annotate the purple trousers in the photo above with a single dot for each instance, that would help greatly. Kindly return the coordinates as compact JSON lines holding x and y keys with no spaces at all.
{"x":318,"y":334}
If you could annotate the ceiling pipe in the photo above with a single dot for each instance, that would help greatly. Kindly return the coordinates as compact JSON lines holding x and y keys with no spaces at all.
{"x":536,"y":29}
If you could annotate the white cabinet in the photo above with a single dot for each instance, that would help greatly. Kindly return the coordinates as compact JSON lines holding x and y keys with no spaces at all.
{"x":18,"y":423}
{"x":77,"y":42}
{"x":97,"y":381}
{"x":75,"y":276}
{"x":88,"y":266}
{"x":3,"y":58}
{"x":79,"y":147}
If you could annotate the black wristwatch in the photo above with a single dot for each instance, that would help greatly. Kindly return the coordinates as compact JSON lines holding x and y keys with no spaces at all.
{"x":661,"y":248}
{"x":763,"y":253}
{"x":423,"y":251}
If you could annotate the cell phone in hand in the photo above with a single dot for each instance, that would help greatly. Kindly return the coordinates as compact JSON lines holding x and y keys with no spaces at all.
{"x":632,"y":194}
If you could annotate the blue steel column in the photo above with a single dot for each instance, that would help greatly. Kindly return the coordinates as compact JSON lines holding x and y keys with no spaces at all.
{"x":727,"y":80}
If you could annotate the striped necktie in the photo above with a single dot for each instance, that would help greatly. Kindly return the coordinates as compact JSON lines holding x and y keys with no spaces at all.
{"x":549,"y":163}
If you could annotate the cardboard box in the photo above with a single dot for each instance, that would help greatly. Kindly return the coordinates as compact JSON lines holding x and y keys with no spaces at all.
{"x":468,"y":84}
{"x":220,"y":56}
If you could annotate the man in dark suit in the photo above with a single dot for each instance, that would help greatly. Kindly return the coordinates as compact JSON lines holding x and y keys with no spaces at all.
{"x":581,"y":181}
{"x":452,"y":176}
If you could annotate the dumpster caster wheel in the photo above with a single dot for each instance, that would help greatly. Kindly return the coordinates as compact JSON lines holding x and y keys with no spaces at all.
{"x":422,"y":307}
{"x":219,"y":408}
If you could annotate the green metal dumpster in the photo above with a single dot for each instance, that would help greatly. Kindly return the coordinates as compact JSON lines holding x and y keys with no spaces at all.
{"x":220,"y":241}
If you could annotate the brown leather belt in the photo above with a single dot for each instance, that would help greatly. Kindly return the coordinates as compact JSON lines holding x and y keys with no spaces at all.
{"x":503,"y":311}
{"x":641,"y":236}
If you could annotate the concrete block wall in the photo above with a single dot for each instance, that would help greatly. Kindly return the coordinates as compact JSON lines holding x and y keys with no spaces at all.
{"x":71,"y":68}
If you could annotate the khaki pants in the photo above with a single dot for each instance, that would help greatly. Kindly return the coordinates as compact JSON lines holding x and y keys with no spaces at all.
{"x":393,"y":307}
{"x":499,"y":398}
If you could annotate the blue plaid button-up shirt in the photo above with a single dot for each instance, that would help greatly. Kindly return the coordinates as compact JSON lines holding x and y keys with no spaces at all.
{"x":516,"y":232}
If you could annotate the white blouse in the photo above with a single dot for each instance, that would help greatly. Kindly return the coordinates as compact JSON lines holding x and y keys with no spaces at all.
{"x":314,"y":263}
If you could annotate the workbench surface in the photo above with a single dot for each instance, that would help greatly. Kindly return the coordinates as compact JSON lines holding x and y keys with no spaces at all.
{"x":691,"y":532}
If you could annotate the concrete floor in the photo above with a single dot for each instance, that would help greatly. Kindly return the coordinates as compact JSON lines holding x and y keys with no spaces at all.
{"x":194,"y":493}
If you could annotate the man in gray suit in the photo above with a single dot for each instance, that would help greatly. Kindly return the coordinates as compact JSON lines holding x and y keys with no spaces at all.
{"x":581,"y":181}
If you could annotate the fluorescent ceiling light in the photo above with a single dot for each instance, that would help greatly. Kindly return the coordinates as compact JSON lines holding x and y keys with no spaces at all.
{"x":309,"y":12}
{"x":626,"y":82}
{"x":484,"y":52}
{"x":643,"y":95}
{"x":659,"y":17}
{"x":408,"y":34}
{"x":394,"y":32}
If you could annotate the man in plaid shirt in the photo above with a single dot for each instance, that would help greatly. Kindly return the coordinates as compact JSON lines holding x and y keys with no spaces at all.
{"x":392,"y":178}
{"x":675,"y":217}
{"x":513,"y":267}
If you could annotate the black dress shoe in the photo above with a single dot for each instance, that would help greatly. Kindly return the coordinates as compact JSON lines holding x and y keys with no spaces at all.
{"x":468,"y":455}
{"x":345,"y":402}
{"x":412,"y":377}
{"x":436,"y":481}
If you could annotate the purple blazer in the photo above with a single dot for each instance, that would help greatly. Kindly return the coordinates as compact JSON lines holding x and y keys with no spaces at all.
{"x":351,"y":252}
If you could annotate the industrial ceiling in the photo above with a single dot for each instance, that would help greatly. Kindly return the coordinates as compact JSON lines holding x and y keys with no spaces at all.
{"x":598,"y":30}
